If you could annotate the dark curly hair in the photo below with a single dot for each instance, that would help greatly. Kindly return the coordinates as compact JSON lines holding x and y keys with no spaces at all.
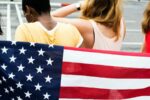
{"x":40,"y":6}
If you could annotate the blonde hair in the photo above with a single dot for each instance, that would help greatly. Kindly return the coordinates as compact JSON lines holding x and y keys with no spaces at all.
{"x":106,"y":12}
{"x":146,"y":19}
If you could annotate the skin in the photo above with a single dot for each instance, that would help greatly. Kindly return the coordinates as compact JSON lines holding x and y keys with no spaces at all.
{"x":84,"y":26}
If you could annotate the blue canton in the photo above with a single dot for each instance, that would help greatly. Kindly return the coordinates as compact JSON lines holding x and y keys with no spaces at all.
{"x":30,"y":71}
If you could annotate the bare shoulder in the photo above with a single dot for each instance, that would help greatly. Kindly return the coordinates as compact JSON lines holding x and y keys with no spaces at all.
{"x":84,"y":26}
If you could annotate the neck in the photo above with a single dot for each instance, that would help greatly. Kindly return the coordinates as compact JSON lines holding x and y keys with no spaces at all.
{"x":47,"y":21}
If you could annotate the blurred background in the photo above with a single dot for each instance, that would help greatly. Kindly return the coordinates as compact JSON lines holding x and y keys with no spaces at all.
{"x":12,"y":16}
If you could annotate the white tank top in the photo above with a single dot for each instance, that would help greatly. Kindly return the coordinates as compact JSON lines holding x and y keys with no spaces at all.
{"x":104,"y":43}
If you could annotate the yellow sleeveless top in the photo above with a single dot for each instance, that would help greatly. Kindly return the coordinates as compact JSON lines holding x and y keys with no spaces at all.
{"x":63,"y":34}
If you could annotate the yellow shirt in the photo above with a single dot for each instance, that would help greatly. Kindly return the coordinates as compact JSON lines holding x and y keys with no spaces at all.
{"x":63,"y":34}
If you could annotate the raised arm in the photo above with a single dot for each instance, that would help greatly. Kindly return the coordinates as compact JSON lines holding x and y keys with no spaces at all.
{"x":67,"y":10}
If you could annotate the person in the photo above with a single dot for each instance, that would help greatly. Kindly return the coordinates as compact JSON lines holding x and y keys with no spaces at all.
{"x":43,"y":29}
{"x":101,"y":23}
{"x":146,"y":30}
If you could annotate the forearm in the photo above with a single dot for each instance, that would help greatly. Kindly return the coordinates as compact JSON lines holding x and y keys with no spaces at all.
{"x":65,"y":11}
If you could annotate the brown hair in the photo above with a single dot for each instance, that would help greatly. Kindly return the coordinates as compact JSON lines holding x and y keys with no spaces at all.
{"x":106,"y":12}
{"x":146,"y":19}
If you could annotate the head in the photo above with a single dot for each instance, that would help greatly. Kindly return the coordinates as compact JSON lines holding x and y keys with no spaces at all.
{"x":34,"y":8}
{"x":146,"y":19}
{"x":106,"y":12}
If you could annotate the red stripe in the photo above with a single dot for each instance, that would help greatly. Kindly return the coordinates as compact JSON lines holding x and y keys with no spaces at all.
{"x":92,"y":93}
{"x":110,"y":52}
{"x":104,"y":71}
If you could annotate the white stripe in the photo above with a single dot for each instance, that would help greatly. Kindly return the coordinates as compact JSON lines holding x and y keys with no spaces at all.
{"x":106,"y":59}
{"x":103,"y":83}
{"x":140,"y":98}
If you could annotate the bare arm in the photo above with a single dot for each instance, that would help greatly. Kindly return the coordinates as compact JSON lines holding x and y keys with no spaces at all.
{"x":64,"y":11}
{"x":84,"y":26}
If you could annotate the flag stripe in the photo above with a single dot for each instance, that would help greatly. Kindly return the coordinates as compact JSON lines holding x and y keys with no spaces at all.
{"x":141,"y":98}
{"x":136,"y":54}
{"x":105,"y":83}
{"x":104,"y":71}
{"x":94,"y":93}
{"x":106,"y":59}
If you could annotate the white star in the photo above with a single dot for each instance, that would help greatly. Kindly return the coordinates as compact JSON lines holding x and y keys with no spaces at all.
{"x":19,"y":98}
{"x":13,"y":43}
{"x":12,"y":59}
{"x":20,"y":68}
{"x":22,"y":50}
{"x":11,"y":76}
{"x":49,"y":61}
{"x":28,"y":94}
{"x":29,"y":77}
{"x":19,"y":85}
{"x":39,"y":70}
{"x":11,"y":89}
{"x":4,"y":66}
{"x":4,"y":50}
{"x":4,"y":79}
{"x":46,"y":96}
{"x":12,"y":99}
{"x":6,"y":90}
{"x":41,"y":52}
{"x":48,"y":79}
{"x":0,"y":96}
{"x":31,"y":60}
{"x":51,"y":46}
{"x":32,"y":44}
{"x":38,"y":87}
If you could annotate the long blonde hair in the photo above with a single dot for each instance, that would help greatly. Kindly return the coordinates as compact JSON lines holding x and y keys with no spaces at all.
{"x":106,"y":12}
{"x":146,"y":19}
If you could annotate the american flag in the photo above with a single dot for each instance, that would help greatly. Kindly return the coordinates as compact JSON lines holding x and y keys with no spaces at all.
{"x":31,"y":71}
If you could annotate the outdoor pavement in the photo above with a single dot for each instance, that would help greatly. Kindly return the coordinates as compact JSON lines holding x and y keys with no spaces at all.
{"x":132,"y":12}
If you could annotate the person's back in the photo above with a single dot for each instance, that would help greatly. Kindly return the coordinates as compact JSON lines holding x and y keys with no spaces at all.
{"x":43,"y":29}
{"x":104,"y":40}
{"x":146,"y":29}
{"x":62,"y":34}
{"x":107,"y":28}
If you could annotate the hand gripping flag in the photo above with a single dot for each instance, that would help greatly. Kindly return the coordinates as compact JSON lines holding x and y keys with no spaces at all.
{"x":30,"y":71}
